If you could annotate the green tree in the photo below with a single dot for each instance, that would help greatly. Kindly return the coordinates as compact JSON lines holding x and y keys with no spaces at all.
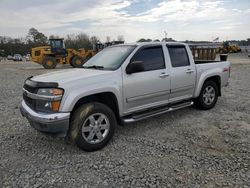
{"x":54,"y":37}
{"x":144,"y":40}
{"x":76,"y":42}
{"x":34,"y":36}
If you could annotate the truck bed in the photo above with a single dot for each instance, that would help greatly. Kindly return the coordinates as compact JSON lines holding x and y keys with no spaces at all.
{"x":217,"y":66}
{"x":205,"y":61}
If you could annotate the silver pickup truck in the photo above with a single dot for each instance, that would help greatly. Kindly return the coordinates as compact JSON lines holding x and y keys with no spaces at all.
{"x":121,"y":84}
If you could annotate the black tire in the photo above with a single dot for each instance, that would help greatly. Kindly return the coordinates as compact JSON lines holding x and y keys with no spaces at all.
{"x":81,"y":117}
{"x":70,"y":61}
{"x":49,"y":62}
{"x":201,"y":102}
{"x":77,"y":62}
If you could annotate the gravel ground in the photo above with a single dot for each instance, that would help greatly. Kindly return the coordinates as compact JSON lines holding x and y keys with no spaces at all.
{"x":185,"y":148}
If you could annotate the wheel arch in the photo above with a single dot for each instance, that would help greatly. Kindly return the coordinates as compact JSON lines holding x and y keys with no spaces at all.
{"x":214,"y":78}
{"x":107,"y":98}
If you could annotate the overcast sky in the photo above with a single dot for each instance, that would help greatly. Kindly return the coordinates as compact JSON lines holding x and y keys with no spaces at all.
{"x":134,"y":19}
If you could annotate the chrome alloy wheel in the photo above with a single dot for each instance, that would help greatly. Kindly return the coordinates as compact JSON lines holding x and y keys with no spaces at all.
{"x":95,"y":128}
{"x":208,"y":95}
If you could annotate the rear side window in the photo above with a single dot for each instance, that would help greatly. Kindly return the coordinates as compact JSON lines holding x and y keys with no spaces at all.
{"x":178,"y":56}
{"x":152,"y":58}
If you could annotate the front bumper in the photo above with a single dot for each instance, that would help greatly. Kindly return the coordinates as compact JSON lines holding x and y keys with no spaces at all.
{"x":50,"y":123}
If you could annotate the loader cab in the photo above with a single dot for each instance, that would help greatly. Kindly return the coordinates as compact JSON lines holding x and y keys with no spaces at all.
{"x":226,"y":44}
{"x":98,"y":47}
{"x":58,"y":47}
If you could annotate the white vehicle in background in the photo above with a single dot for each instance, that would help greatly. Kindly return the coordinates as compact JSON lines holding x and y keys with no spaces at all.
{"x":17,"y":57}
{"x":9,"y":57}
{"x":123,"y":83}
{"x":28,"y":57}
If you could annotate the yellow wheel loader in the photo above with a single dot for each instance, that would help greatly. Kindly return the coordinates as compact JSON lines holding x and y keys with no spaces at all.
{"x":49,"y":56}
{"x":229,"y":48}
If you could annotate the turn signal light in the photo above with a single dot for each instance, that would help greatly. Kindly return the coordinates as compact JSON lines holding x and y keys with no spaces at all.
{"x":55,"y":105}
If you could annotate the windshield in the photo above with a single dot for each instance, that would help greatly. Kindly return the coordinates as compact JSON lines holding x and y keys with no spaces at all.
{"x":57,"y":44}
{"x":110,"y":58}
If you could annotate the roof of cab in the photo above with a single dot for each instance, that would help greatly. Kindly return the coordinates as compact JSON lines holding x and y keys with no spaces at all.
{"x":152,"y":43}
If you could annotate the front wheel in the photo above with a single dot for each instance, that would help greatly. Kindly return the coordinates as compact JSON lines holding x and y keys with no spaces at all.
{"x":208,"y":96}
{"x":49,"y":62}
{"x":77,"y":62}
{"x":92,"y":126}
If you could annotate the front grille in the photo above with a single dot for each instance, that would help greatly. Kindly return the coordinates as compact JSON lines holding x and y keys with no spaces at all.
{"x":33,"y":87}
{"x":30,"y":89}
{"x":30,"y":102}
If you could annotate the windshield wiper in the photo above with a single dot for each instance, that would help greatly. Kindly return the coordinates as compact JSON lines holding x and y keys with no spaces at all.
{"x":94,"y":67}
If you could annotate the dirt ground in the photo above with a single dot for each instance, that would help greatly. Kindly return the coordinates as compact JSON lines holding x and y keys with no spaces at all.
{"x":185,"y":148}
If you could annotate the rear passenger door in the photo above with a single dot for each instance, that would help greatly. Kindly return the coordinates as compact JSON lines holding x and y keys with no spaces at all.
{"x":149,"y":87}
{"x":183,"y":75}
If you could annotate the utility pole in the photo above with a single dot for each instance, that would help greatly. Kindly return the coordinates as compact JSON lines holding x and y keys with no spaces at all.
{"x":166,"y":34}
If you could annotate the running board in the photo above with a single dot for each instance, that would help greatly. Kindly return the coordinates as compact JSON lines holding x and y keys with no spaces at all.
{"x":155,"y":112}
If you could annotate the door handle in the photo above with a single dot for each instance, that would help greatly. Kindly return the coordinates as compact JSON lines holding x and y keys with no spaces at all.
{"x":164,"y":75}
{"x":189,"y":71}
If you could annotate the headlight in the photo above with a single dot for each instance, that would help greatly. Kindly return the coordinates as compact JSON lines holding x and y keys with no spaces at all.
{"x":50,"y":99}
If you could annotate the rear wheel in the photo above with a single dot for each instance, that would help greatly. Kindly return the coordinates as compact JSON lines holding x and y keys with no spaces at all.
{"x":208,"y":96}
{"x":49,"y":62}
{"x":92,"y":126}
{"x":77,"y":62}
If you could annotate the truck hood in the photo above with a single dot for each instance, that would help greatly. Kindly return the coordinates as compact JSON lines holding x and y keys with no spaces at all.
{"x":66,"y":76}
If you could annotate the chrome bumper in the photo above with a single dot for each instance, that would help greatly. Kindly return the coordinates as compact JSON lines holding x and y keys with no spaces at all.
{"x":51,"y":123}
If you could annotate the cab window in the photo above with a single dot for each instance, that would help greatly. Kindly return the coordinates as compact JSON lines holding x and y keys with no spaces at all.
{"x":178,"y":56}
{"x":152,"y":57}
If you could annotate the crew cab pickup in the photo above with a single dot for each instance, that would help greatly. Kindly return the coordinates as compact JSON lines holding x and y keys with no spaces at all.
{"x":121,"y":84}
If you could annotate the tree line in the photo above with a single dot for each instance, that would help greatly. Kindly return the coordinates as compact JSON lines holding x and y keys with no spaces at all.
{"x":10,"y":46}
{"x":34,"y":38}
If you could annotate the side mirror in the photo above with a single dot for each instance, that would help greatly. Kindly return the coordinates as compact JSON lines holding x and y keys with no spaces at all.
{"x":135,"y":66}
